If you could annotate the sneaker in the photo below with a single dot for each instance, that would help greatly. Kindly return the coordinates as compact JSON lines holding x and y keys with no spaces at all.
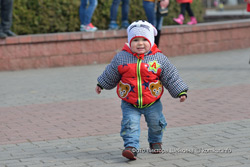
{"x":130,"y":153}
{"x":113,"y":25}
{"x":91,"y":25}
{"x":155,"y":148}
{"x":125,"y":24}
{"x":88,"y":28}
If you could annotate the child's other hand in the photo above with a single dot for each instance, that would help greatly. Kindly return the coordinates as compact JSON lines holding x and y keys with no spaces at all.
{"x":98,"y":90}
{"x":182,"y":98}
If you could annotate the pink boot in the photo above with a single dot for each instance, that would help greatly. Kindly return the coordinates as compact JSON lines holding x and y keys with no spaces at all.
{"x":192,"y":21}
{"x":180,"y":19}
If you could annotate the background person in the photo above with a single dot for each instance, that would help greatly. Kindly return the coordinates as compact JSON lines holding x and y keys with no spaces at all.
{"x":248,"y":5}
{"x":86,"y":11}
{"x":152,"y":16}
{"x":6,"y":18}
{"x":113,"y":14}
{"x":185,"y":5}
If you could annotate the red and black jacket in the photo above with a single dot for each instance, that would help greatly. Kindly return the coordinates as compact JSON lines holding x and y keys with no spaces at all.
{"x":140,"y":79}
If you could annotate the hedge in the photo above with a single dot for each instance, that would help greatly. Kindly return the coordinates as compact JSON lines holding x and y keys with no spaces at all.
{"x":46,"y":16}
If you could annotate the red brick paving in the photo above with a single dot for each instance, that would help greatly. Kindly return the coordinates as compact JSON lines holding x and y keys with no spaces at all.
{"x":102,"y":116}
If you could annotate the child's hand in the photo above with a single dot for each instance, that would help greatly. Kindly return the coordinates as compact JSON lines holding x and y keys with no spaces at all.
{"x":183,"y":98}
{"x":98,"y":90}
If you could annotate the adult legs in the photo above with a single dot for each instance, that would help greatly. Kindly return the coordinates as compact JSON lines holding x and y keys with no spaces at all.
{"x":156,"y":21}
{"x":114,"y":10}
{"x":125,"y":10}
{"x":159,"y":22}
{"x":149,"y":8}
{"x":6,"y":18}
{"x":6,"y":14}
{"x":86,"y":11}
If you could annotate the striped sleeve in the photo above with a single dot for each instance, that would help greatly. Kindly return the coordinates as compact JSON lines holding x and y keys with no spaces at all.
{"x":110,"y":76}
{"x":171,"y":79}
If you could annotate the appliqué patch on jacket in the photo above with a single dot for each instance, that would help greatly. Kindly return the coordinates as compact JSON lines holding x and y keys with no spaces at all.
{"x":153,"y":66}
{"x":123,"y":89}
{"x":155,"y":88}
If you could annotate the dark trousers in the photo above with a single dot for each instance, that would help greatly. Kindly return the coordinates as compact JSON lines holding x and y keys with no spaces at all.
{"x":184,"y":7}
{"x":6,"y":14}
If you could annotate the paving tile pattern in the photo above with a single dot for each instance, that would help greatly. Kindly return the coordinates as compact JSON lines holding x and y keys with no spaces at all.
{"x":52,"y":117}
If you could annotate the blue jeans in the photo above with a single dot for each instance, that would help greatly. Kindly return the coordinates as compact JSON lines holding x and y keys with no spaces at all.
{"x":153,"y":18}
{"x":130,"y":125}
{"x":114,"y":10}
{"x":86,"y":11}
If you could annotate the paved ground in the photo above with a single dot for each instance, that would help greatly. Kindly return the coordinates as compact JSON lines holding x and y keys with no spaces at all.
{"x":238,"y":12}
{"x":52,"y":117}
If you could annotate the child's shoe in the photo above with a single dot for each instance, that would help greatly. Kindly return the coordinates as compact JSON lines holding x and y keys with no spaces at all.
{"x":192,"y":21}
{"x":155,"y":148}
{"x":113,"y":25}
{"x":125,"y":24}
{"x":88,"y":28}
{"x":179,"y":20}
{"x":130,"y":153}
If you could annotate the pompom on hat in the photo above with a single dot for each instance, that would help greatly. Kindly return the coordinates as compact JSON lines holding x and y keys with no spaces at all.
{"x":142,"y":29}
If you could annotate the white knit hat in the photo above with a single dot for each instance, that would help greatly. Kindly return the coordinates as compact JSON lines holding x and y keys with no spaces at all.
{"x":143,"y":29}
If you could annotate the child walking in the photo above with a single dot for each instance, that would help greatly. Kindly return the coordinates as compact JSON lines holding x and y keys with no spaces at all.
{"x":140,"y":71}
{"x":185,"y":5}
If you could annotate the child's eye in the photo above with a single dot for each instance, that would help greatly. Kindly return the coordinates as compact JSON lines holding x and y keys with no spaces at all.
{"x":135,"y":40}
{"x":144,"y":39}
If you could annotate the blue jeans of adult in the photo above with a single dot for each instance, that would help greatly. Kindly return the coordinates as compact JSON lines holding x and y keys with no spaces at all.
{"x":153,"y":18}
{"x":114,"y":10}
{"x":86,"y":11}
{"x":130,"y":125}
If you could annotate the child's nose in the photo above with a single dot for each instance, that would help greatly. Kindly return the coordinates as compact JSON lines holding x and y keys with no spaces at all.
{"x":140,"y":42}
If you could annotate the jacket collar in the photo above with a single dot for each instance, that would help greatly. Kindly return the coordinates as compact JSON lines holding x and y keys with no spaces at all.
{"x":153,"y":50}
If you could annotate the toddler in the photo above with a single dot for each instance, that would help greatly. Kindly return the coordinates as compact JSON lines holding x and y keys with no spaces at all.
{"x":140,"y":71}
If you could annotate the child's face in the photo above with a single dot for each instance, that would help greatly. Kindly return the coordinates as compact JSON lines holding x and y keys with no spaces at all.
{"x":140,"y":45}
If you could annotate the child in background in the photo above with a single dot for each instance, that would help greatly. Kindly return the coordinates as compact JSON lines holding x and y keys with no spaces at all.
{"x":185,"y":5}
{"x":140,"y":71}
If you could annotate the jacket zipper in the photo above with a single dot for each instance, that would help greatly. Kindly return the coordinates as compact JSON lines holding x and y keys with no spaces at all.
{"x":140,"y":102}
